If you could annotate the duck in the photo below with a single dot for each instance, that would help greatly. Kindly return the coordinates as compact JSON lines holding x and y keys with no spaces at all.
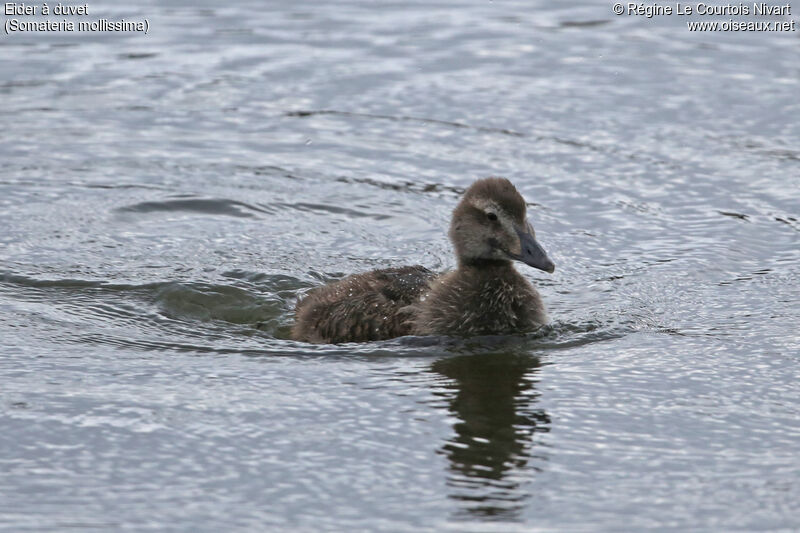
{"x":483,"y":295}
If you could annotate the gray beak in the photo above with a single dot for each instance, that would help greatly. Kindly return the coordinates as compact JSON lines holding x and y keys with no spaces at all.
{"x":531,"y":252}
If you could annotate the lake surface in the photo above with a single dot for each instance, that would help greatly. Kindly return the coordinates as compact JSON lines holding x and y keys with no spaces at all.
{"x":166,"y":198}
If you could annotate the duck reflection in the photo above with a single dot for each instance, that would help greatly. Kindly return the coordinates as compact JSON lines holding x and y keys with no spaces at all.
{"x":494,"y":443}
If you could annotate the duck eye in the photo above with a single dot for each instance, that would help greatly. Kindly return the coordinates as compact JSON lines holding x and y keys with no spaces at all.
{"x":491,"y":216}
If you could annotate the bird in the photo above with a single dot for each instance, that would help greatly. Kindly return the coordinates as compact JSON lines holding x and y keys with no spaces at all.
{"x":483,"y":295}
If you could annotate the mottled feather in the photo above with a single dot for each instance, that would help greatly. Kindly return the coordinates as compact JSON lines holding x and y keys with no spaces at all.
{"x":361,"y":307}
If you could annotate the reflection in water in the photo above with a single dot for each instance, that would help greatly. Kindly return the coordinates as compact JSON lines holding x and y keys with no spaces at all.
{"x":494,"y":441}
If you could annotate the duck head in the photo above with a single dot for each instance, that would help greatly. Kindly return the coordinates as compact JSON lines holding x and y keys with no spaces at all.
{"x":489,"y":225}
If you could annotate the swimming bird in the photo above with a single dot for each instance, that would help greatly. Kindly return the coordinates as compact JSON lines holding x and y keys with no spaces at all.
{"x":484,"y":295}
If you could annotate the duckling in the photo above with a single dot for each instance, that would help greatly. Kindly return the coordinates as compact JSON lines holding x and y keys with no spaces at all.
{"x":484,"y":295}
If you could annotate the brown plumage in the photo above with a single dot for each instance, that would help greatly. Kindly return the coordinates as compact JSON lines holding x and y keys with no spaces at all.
{"x":362,"y":307}
{"x":484,"y":295}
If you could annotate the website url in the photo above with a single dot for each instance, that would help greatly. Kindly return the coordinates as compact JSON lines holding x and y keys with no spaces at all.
{"x":738,"y":25}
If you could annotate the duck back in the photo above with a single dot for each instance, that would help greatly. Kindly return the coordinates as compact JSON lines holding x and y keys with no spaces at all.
{"x":362,"y":307}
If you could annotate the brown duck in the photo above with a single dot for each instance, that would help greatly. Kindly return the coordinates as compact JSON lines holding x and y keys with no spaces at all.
{"x":485,"y":295}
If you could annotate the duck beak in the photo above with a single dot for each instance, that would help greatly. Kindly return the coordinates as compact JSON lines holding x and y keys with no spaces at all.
{"x":531,"y":252}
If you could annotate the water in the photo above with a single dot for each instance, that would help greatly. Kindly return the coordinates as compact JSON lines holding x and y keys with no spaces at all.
{"x":167,"y":197}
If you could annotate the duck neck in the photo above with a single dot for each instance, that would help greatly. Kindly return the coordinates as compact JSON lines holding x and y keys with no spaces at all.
{"x":483,"y":268}
{"x":483,"y":264}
